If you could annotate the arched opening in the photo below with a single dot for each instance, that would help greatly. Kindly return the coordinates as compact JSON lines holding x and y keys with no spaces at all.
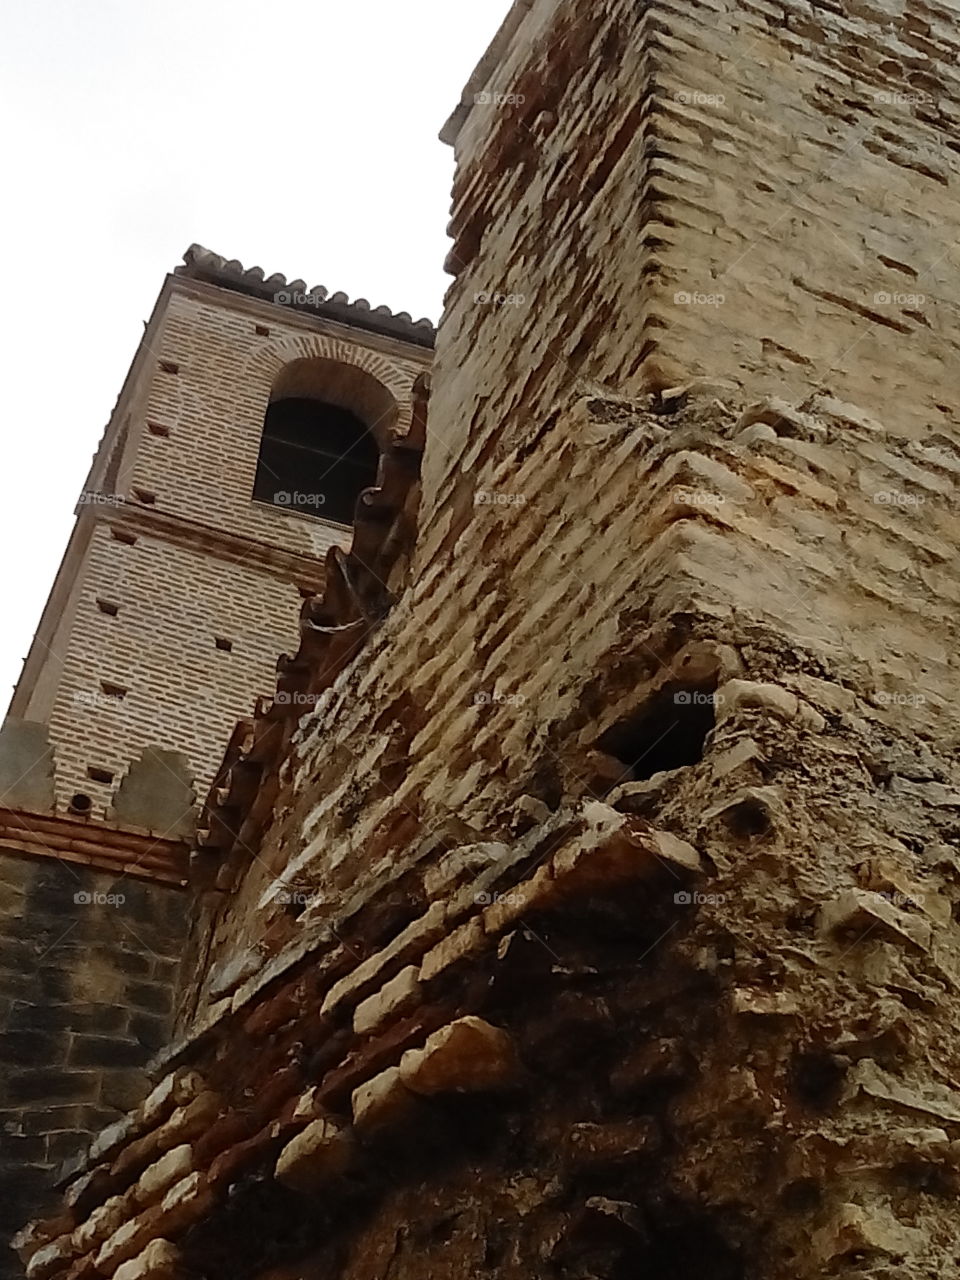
{"x":321,"y":441}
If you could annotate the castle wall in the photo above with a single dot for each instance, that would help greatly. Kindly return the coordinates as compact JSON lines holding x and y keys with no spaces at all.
{"x":562,"y":209}
{"x":87,"y":967}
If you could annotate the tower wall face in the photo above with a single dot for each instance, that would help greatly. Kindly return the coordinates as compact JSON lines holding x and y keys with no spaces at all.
{"x":182,"y":692}
{"x":786,"y":169}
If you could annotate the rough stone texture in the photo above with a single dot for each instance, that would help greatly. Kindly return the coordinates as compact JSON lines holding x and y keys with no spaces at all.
{"x":86,"y":995}
{"x":653,"y":765}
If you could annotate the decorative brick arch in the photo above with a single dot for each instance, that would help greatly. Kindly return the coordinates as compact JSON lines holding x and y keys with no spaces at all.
{"x":266,"y":366}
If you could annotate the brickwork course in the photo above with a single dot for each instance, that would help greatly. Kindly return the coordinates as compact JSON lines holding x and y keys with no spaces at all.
{"x":599,"y":917}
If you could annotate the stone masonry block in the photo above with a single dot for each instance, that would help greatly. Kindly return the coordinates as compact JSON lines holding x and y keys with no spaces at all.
{"x":158,"y":1177}
{"x":321,"y":1153}
{"x":160,"y":1260}
{"x":464,"y":941}
{"x":466,"y":1056}
{"x":395,"y":998}
{"x":382,"y":1102}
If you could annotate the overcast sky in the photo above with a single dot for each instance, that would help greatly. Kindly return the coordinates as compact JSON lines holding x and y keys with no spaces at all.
{"x":295,"y":135}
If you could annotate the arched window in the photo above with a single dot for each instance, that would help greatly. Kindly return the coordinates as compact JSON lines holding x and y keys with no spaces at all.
{"x":321,"y":439}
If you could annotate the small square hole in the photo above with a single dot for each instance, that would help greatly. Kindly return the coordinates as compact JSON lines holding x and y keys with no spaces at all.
{"x":158,"y":429}
{"x":169,"y":366}
{"x":111,"y":690}
{"x":98,"y":775}
{"x":108,"y":607}
{"x":223,"y":643}
{"x":262,"y":329}
{"x":121,"y":535}
{"x":145,"y":496}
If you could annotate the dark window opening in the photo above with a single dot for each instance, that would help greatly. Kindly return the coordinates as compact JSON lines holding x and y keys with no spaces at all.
{"x":145,"y":496}
{"x":169,"y":366}
{"x":121,"y":535}
{"x":262,"y":330}
{"x":108,"y":607}
{"x":667,"y":732}
{"x":224,"y":644}
{"x":80,"y":804}
{"x":96,"y":774}
{"x":315,"y":458}
{"x":158,"y":429}
{"x":111,"y":690}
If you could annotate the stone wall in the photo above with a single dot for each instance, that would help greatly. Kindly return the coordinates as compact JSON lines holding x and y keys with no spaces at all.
{"x":87,"y":969}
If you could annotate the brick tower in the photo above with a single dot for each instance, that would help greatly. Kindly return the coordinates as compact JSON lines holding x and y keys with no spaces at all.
{"x":253,"y":416}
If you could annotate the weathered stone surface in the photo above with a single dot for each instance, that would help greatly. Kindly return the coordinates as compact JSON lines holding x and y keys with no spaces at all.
{"x":395,"y":998}
{"x":158,"y":1177}
{"x":186,"y":1202}
{"x":383,"y":1102}
{"x":127,"y":1241}
{"x":467,"y":1056}
{"x":860,"y":914}
{"x":50,"y":1258}
{"x":160,"y":1260}
{"x":456,"y":947}
{"x":315,"y":1157}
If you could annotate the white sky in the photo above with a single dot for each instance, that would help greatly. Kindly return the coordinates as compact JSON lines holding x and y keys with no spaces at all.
{"x":295,"y":135}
